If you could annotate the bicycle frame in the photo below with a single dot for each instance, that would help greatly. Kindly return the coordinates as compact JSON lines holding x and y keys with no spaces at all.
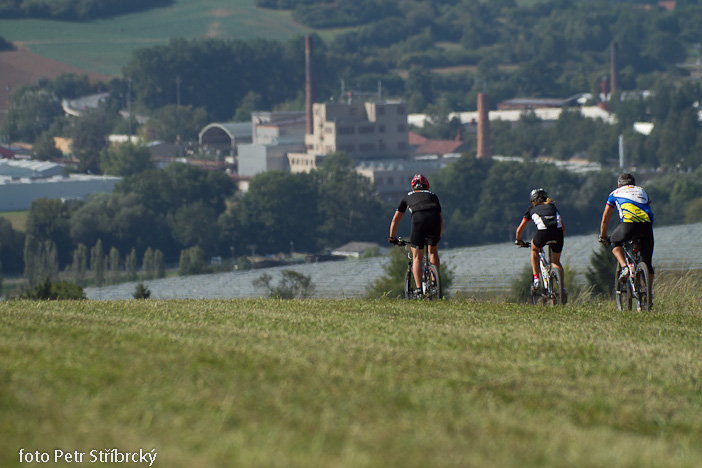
{"x":638,"y":284}
{"x":551,"y":290}
{"x":431,"y":281}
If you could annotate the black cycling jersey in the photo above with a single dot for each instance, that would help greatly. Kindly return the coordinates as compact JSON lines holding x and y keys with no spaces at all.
{"x":421,"y":200}
{"x":545,"y":216}
{"x":426,"y":219}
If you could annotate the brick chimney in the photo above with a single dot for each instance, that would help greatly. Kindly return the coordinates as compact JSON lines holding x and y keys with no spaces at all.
{"x":309,"y":85}
{"x":484,"y":147}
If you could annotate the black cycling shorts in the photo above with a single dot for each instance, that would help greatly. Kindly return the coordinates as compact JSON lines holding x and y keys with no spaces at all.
{"x":551,"y":234}
{"x":426,"y":228}
{"x":627,"y":231}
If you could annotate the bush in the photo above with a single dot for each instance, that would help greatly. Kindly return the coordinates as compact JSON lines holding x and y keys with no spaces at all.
{"x":293,"y":285}
{"x":61,"y":290}
{"x":141,"y":292}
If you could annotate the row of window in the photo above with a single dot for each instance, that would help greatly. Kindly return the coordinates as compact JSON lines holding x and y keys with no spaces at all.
{"x":363,"y":129}
{"x":366,"y":147}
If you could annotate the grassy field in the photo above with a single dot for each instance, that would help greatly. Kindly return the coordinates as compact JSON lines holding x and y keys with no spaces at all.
{"x":17,"y":218}
{"x":263,"y":383}
{"x":105,"y":46}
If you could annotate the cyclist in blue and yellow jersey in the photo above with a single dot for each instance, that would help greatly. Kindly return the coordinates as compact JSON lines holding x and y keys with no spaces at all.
{"x":636,"y":218}
{"x":550,"y":227}
{"x":427,"y":224}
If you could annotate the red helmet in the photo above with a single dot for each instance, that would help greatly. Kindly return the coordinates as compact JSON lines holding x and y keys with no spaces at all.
{"x":419,"y":182}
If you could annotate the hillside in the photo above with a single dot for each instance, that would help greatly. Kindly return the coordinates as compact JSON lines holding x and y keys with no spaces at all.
{"x":482,"y":269}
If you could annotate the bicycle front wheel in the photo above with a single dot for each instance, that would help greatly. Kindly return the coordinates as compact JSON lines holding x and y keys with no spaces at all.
{"x":622,"y":292}
{"x":433,"y":289}
{"x":555,"y":287}
{"x":642,"y":283}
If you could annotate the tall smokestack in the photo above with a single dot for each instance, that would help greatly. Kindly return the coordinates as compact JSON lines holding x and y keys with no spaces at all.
{"x":613,"y":70}
{"x":309,"y":84}
{"x":484,"y":150}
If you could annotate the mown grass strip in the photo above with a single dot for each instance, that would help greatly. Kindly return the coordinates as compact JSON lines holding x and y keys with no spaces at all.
{"x":353,"y":383}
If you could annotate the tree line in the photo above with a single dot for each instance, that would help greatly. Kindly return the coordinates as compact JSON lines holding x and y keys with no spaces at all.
{"x":189,"y":214}
{"x":75,"y":10}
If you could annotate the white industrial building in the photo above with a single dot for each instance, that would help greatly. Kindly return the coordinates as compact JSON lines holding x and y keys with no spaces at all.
{"x":18,"y":193}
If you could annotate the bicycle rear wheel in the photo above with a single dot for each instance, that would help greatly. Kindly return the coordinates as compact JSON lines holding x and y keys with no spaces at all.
{"x":622,"y":292}
{"x":409,"y":290}
{"x":555,"y":287}
{"x":433,"y":289}
{"x":642,"y":283}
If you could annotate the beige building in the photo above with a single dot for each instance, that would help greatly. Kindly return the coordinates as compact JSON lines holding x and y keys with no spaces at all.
{"x":362,"y":130}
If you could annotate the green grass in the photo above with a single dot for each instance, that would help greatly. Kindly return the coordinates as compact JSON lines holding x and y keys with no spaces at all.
{"x":105,"y":46}
{"x":17,"y":218}
{"x":256,"y":383}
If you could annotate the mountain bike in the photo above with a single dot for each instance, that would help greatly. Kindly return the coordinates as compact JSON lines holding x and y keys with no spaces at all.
{"x":431,"y":280}
{"x":637,"y":287}
{"x":550,"y":290}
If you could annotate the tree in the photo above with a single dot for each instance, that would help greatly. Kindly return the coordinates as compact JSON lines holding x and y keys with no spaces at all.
{"x":191,"y":262}
{"x":32,"y":110}
{"x":89,"y":134}
{"x":114,"y":264}
{"x":174,"y":124}
{"x":348,"y":208}
{"x":125,"y":159}
{"x":45,"y":149}
{"x":392,"y":284}
{"x":97,"y":262}
{"x":293,"y":285}
{"x":48,"y":220}
{"x":131,"y":265}
{"x":279,"y":208}
{"x":141,"y":292}
{"x":148,"y":264}
{"x":159,"y":264}
{"x":600,"y":274}
{"x":80,"y":263}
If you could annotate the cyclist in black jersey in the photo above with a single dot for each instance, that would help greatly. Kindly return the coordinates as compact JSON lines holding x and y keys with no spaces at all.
{"x":427,"y":224}
{"x":549,"y":227}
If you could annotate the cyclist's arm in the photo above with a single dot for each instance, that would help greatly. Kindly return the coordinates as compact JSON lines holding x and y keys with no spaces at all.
{"x":521,"y":227}
{"x":441,"y":216}
{"x":395,"y":223}
{"x":606,"y":217}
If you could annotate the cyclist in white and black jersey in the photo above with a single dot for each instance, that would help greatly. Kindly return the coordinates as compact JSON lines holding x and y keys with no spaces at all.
{"x":427,"y":224}
{"x":550,"y":227}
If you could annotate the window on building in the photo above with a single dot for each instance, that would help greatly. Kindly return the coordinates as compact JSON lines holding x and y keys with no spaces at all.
{"x":346,"y":130}
{"x":366,"y":147}
{"x":381,"y":128}
{"x":366,"y":129}
{"x":400,"y":109}
{"x":328,"y":130}
{"x":380,"y":110}
{"x":401,"y":127}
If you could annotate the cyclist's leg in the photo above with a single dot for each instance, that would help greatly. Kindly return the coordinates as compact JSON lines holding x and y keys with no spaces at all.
{"x":434,"y":256}
{"x":556,"y":250}
{"x":537,"y":242}
{"x":417,"y":240}
{"x":417,"y":265}
{"x":621,"y":234}
{"x":647,"y":243}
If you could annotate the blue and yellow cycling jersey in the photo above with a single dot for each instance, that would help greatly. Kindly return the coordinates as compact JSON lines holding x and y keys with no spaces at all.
{"x":633,"y":204}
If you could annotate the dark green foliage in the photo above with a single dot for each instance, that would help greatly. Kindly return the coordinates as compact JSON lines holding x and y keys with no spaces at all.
{"x":125,"y":160}
{"x":11,"y":247}
{"x":293,"y":285}
{"x":192,"y":262}
{"x":46,"y":290}
{"x":75,"y":10}
{"x":141,"y":292}
{"x":600,"y":274}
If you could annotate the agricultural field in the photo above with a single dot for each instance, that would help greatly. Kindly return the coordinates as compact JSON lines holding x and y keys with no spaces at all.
{"x":355,"y":383}
{"x":105,"y":46}
{"x":18,"y":219}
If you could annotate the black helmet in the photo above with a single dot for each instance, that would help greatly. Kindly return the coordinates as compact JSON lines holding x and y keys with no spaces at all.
{"x":538,"y":194}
